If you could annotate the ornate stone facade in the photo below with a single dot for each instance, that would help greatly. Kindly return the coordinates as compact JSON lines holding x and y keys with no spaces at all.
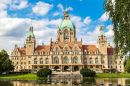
{"x":66,"y":54}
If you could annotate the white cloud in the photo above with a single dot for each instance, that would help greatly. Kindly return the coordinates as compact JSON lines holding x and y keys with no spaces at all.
{"x":3,"y":14}
{"x":56,"y":14}
{"x":42,"y":8}
{"x":3,"y":6}
{"x":77,"y":21}
{"x":22,"y":5}
{"x":15,"y":30}
{"x":87,"y":20}
{"x":5,"y":1}
{"x":110,"y":32}
{"x":70,"y":8}
{"x":61,"y":7}
{"x":104,"y":17}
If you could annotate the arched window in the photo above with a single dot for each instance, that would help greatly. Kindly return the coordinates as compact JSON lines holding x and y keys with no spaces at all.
{"x":66,"y":48}
{"x":56,"y":60}
{"x":85,"y":60}
{"x":47,"y":61}
{"x":56,"y":48}
{"x":103,"y":62}
{"x":66,"y":60}
{"x":75,"y":60}
{"x":66,"y":35}
{"x":96,"y":60}
{"x":41,"y":60}
{"x":91,"y":60}
{"x":35,"y":60}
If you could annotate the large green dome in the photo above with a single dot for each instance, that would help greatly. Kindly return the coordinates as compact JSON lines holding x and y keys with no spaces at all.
{"x":67,"y":23}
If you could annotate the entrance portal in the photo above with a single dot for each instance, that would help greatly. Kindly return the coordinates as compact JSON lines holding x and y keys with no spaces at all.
{"x":66,"y":68}
{"x":56,"y":67}
{"x":76,"y":68}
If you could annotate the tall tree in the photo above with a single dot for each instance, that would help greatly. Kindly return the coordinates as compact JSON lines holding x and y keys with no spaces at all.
{"x":119,"y":12}
{"x":127,"y":66}
{"x":5,"y":62}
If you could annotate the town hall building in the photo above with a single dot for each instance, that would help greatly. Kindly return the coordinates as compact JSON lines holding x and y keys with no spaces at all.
{"x":66,"y":54}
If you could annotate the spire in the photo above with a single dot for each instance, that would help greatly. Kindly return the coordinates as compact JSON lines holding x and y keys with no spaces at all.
{"x":24,"y":44}
{"x":66,"y":8}
{"x":66,"y":15}
{"x":101,"y":27}
{"x":31,"y":31}
{"x":108,"y":44}
{"x":101,"y":32}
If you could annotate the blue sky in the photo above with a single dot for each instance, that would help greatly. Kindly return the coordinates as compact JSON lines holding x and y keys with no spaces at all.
{"x":46,"y":15}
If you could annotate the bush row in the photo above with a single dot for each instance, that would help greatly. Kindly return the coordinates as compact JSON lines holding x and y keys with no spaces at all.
{"x":44,"y":72}
{"x":87,"y":72}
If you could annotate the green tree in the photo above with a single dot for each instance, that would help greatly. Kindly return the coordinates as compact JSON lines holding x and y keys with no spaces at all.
{"x":126,"y":58}
{"x":44,"y":72}
{"x":5,"y":62}
{"x":127,"y":66}
{"x":119,"y":12}
{"x":87,"y":72}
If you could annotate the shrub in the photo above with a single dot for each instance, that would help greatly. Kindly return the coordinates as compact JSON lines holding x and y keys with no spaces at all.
{"x":87,"y":72}
{"x":44,"y":72}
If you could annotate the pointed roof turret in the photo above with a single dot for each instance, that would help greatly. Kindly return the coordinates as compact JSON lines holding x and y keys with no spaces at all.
{"x":31,"y":31}
{"x":66,"y":15}
{"x":66,"y":8}
{"x":108,"y":44}
{"x":101,"y":31}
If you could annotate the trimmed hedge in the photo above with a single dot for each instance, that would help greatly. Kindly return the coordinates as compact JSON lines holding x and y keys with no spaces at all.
{"x":44,"y":72}
{"x":87,"y":72}
{"x":18,"y":72}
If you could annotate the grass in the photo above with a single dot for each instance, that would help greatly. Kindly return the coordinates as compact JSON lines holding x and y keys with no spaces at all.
{"x":114,"y":75}
{"x":21,"y":77}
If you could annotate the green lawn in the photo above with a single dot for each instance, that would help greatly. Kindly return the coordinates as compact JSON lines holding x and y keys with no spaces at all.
{"x":20,"y":76}
{"x":105,"y":75}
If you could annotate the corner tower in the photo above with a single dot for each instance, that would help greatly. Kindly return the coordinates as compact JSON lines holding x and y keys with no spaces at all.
{"x":66,"y":30}
{"x":102,"y":41}
{"x":30,"y":42}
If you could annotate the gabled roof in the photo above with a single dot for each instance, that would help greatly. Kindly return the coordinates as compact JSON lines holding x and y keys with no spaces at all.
{"x":90,"y":47}
{"x":22,"y":50}
{"x":71,"y":44}
{"x":43,"y":48}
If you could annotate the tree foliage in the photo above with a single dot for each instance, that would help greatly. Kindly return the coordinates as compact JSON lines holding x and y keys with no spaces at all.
{"x":44,"y":72}
{"x":127,"y":66}
{"x":87,"y":72}
{"x":119,"y":12}
{"x":5,"y":62}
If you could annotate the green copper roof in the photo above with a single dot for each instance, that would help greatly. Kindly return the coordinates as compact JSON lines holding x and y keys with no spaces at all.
{"x":109,"y":44}
{"x":67,"y":23}
{"x":66,"y":8}
{"x":101,"y":33}
{"x":30,"y":34}
{"x":31,"y":26}
{"x":101,"y":25}
{"x":42,"y":44}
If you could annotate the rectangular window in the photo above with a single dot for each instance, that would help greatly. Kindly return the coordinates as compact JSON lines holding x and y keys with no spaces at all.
{"x":29,"y":56}
{"x":120,"y":62}
{"x":111,"y":62}
{"x":21,"y":62}
{"x":115,"y":62}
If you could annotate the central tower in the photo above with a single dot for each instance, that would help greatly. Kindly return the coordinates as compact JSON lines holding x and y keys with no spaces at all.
{"x":66,"y":30}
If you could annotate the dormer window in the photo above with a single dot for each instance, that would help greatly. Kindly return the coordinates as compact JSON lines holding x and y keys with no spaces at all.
{"x":47,"y":52}
{"x":90,"y":51}
{"x":41,"y":52}
{"x":96,"y":52}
